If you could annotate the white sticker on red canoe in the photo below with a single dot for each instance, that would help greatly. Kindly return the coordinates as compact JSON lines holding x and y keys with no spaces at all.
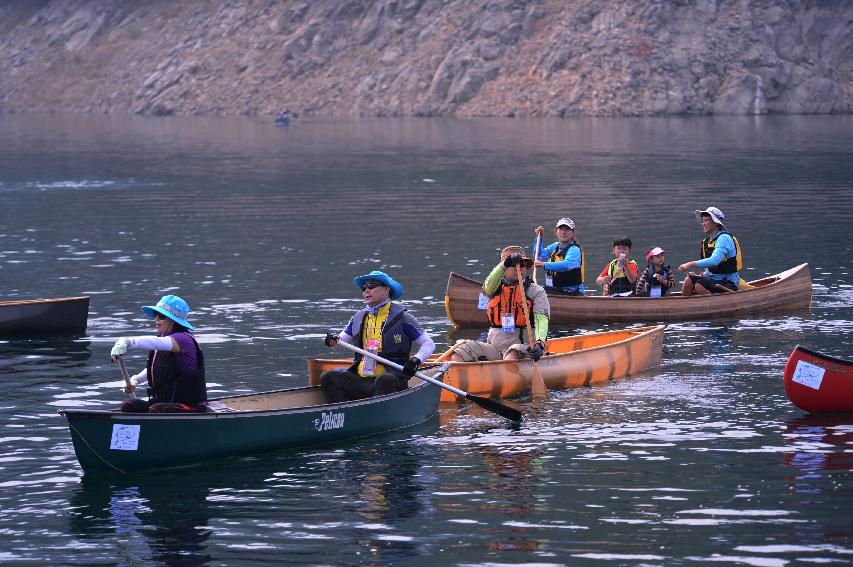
{"x":125,"y":437}
{"x":808,"y":374}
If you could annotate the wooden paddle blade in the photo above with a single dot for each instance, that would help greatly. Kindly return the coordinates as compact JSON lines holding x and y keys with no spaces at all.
{"x":537,"y":385}
{"x":496,"y":407}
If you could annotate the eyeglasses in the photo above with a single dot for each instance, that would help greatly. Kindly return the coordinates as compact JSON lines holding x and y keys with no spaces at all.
{"x":158,"y":315}
{"x":370,"y":285}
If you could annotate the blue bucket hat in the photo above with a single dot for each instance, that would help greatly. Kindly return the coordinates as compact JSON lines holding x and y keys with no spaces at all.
{"x":384,"y":279}
{"x":172,"y":307}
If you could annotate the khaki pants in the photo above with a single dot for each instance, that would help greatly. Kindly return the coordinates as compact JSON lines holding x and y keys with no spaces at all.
{"x":475,"y":351}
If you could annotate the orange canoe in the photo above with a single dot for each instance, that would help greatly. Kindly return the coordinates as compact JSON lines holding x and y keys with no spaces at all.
{"x":818,"y":383}
{"x":579,"y":360}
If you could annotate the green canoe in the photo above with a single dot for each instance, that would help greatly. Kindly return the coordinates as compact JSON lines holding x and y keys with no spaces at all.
{"x":241,"y":425}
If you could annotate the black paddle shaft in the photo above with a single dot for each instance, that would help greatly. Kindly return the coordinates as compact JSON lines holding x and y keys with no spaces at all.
{"x":485,"y":403}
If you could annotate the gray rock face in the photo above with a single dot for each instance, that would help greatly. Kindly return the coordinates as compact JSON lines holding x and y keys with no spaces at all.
{"x":428,"y":57}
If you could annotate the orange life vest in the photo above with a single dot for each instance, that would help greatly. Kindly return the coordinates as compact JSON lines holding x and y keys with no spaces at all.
{"x":506,"y":300}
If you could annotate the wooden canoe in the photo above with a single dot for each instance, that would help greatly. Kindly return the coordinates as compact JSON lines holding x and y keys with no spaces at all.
{"x":818,"y":383}
{"x":788,"y":290}
{"x":580,"y":360}
{"x":242,"y":425}
{"x":62,"y":315}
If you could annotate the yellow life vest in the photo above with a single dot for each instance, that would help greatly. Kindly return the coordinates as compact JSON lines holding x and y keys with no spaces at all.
{"x":727,"y":266}
{"x":620,"y":282}
{"x":371,"y":329}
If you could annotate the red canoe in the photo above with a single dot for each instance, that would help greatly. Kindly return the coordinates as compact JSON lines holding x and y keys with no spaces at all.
{"x":818,"y":383}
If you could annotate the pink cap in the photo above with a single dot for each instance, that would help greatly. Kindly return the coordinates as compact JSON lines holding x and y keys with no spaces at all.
{"x":654,"y":252}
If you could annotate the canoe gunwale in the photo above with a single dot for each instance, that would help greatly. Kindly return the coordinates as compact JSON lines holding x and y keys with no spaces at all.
{"x":640,"y":331}
{"x":124,"y":416}
{"x":822,"y":356}
{"x":41,"y":301}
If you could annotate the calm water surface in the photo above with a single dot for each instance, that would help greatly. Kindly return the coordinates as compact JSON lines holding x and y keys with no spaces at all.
{"x":261,"y":229}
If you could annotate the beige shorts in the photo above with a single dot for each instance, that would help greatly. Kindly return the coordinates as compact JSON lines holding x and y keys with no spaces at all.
{"x":474,"y":351}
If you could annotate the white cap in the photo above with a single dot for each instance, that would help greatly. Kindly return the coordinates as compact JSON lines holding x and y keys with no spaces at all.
{"x":654,"y":252}
{"x":716,"y":215}
{"x":566,"y":221}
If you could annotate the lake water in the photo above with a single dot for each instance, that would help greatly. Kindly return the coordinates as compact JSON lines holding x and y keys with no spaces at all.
{"x":262,"y":229}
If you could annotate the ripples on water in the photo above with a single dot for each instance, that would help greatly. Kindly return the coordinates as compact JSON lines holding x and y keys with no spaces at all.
{"x":701,"y":460}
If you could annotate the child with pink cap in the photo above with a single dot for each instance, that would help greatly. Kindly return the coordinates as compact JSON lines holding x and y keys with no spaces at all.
{"x":657,"y":278}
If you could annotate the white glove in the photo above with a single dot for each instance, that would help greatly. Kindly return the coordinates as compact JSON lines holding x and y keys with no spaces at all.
{"x":120,"y":348}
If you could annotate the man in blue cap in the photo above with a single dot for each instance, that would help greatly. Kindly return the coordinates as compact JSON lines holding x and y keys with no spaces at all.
{"x":382,"y":327}
{"x":175,"y":370}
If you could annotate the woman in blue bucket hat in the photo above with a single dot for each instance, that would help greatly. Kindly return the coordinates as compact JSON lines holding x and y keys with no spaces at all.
{"x":383,"y":327}
{"x":175,"y":369}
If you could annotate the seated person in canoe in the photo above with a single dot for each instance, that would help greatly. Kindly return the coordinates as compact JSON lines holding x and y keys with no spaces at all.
{"x":564,"y":266}
{"x":175,"y":369}
{"x":383,"y":327}
{"x":657,"y":279}
{"x":720,"y":258}
{"x":283,"y":115}
{"x":507,"y":336}
{"x":619,"y":277}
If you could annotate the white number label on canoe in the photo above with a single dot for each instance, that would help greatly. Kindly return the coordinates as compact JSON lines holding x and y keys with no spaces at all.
{"x":808,"y":374}
{"x":483,"y":301}
{"x":125,"y":437}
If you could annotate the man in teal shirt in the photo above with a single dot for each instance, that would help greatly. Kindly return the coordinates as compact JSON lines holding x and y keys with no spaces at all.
{"x":721,"y":258}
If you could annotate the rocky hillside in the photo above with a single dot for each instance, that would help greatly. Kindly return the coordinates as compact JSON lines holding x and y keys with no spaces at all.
{"x":427,"y":57}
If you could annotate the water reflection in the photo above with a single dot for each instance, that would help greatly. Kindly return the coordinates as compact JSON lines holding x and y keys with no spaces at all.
{"x":631,"y":472}
{"x":372,"y":491}
{"x":170,"y":520}
{"x":24,"y":355}
{"x":818,"y":443}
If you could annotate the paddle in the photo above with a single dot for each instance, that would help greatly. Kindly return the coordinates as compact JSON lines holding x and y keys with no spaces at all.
{"x":491,"y":405}
{"x":536,"y":255}
{"x":537,"y":384}
{"x":124,"y":373}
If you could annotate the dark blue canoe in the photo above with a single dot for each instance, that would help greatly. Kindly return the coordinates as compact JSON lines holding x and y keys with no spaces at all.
{"x":61,"y":315}
{"x":241,"y":425}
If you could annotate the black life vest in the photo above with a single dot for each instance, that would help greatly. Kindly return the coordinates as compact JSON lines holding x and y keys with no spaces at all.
{"x":169,"y":384}
{"x":569,"y":277}
{"x":506,"y":300}
{"x":727,"y":266}
{"x":652,"y":282}
{"x":396,"y":346}
{"x":622,"y":283}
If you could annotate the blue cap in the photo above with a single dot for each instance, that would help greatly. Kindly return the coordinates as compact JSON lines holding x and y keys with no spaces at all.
{"x":384,"y":279}
{"x":172,"y":307}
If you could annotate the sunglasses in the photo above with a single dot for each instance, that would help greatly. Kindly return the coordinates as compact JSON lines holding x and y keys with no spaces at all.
{"x":158,"y":315}
{"x":370,"y":285}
